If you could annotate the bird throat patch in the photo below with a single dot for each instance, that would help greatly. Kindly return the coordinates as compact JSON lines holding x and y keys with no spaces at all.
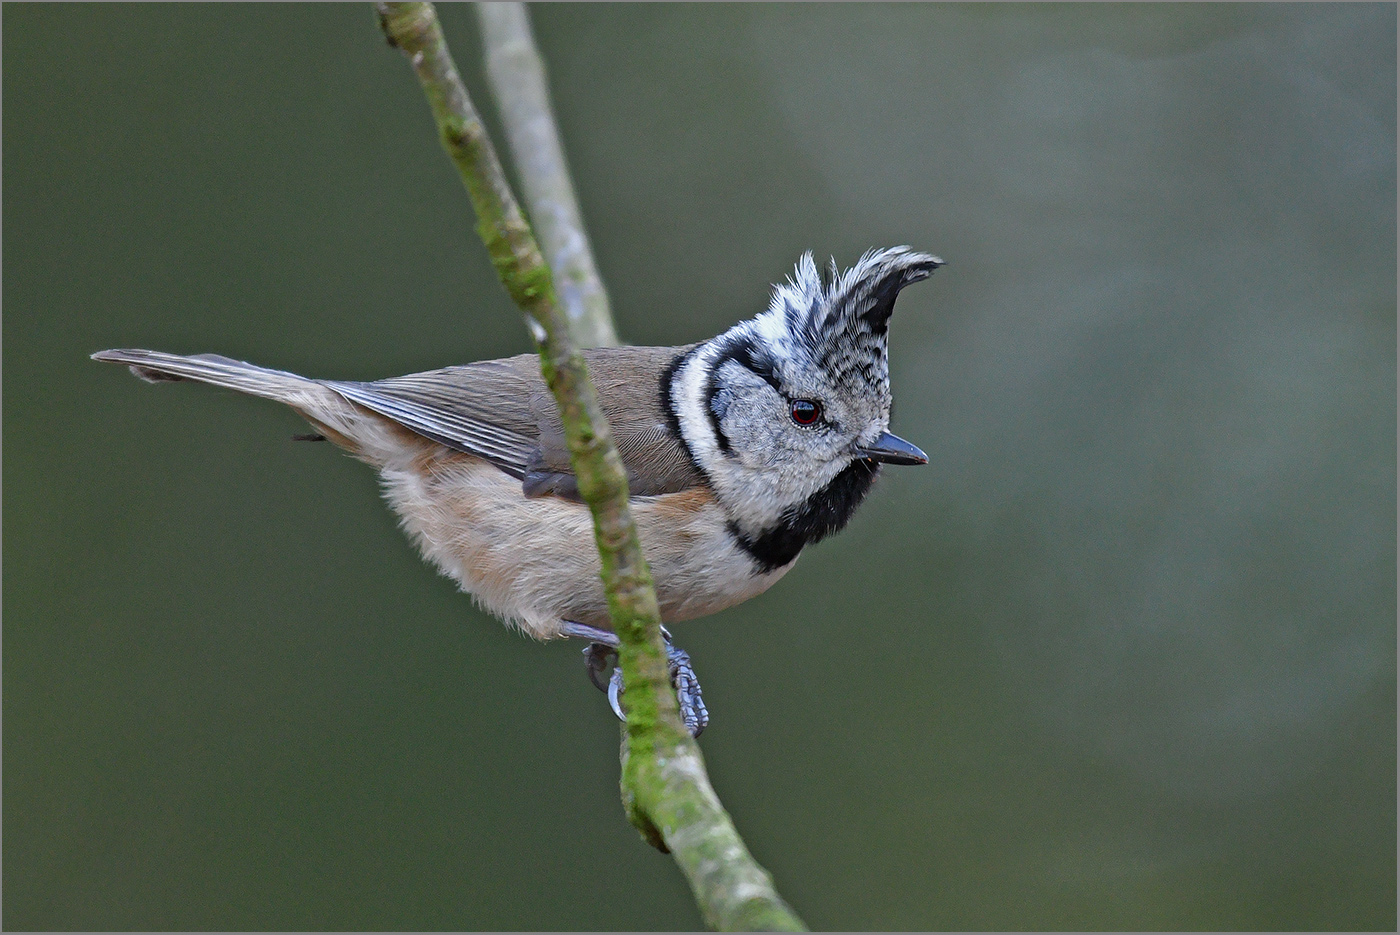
{"x":820,"y":515}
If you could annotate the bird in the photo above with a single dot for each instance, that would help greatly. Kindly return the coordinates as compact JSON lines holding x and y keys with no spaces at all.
{"x":739,"y":451}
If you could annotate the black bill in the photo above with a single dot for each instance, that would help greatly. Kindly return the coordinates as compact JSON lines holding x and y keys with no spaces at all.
{"x":891,"y":449}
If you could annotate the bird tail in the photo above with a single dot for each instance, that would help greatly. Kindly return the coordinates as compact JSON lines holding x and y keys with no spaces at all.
{"x":353,"y":428}
{"x":159,"y":367}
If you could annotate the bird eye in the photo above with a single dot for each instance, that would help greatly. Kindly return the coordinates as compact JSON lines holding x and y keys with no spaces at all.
{"x":806,"y":411}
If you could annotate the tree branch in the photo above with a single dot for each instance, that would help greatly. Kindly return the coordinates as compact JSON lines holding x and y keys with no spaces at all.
{"x":666,"y":791}
{"x":517,"y":77}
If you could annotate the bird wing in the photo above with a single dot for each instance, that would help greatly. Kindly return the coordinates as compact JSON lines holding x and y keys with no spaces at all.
{"x":481,"y":409}
{"x":628,"y":381}
{"x":501,"y":411}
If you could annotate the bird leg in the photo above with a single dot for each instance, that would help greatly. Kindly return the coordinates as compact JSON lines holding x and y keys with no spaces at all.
{"x":602,"y":652}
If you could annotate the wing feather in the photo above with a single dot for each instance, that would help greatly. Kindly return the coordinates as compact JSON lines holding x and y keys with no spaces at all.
{"x":501,"y":410}
{"x":481,"y":409}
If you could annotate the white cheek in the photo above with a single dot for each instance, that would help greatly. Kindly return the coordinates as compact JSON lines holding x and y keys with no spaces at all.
{"x":760,"y":476}
{"x":688,"y":396}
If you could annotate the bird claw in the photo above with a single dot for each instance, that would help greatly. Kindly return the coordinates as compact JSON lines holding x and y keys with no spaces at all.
{"x":597,"y":657}
{"x":694,"y":714}
{"x":601,"y":652}
{"x":615,"y":693}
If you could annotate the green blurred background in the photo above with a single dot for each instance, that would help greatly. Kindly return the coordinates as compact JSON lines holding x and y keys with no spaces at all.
{"x":1122,"y":656}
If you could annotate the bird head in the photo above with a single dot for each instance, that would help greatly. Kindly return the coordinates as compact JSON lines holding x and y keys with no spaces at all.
{"x":788,"y":413}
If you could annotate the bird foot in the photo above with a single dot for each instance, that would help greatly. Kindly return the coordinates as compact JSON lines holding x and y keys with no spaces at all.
{"x":601,"y":652}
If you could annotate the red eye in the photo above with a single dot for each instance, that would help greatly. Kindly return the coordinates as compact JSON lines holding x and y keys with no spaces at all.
{"x":806,"y":411}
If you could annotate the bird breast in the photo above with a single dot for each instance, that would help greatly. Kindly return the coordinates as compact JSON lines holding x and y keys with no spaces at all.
{"x":534,"y":562}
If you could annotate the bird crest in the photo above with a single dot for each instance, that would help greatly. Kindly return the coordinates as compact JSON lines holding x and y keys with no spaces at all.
{"x":842,"y":323}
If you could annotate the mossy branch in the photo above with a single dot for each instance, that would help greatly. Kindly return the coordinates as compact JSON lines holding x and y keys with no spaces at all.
{"x":666,"y":791}
{"x":516,"y":73}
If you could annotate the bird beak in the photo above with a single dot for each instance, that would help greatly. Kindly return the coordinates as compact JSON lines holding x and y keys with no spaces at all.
{"x":892,"y":449}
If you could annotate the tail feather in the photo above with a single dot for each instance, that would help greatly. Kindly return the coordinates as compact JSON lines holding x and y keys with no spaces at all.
{"x":158,"y":367}
{"x":358,"y":430}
